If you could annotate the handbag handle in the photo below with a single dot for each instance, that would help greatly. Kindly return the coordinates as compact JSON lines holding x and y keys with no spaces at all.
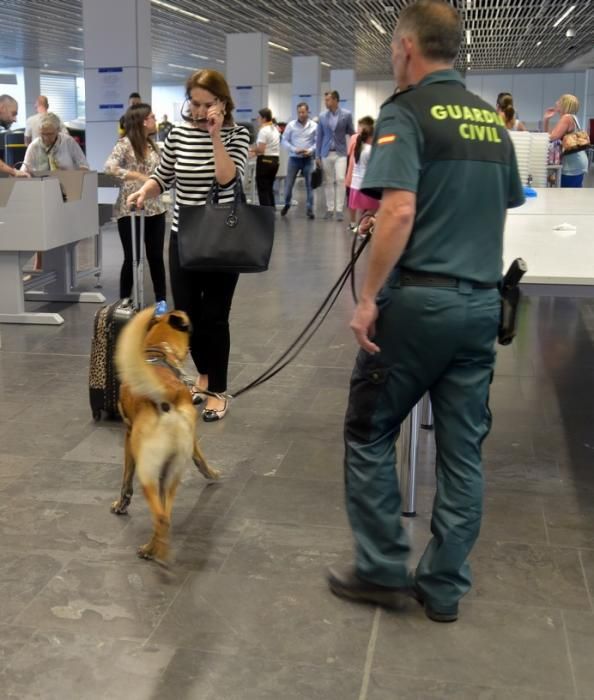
{"x":239,"y":195}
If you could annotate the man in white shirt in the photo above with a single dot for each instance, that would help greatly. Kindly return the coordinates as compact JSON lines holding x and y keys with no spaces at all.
{"x":32,"y":126}
{"x":267,"y":152}
{"x":53,"y":150}
{"x":300,"y":138}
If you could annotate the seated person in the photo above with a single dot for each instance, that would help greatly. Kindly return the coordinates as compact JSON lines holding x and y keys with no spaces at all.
{"x":52,"y":149}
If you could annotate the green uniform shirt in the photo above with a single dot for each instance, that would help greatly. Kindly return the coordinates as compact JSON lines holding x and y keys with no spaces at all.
{"x":453,"y":150}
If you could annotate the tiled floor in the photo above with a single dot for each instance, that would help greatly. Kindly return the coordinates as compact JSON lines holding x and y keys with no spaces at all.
{"x":246,"y":614}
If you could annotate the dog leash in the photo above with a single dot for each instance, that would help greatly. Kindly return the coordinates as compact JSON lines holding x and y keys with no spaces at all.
{"x":310,"y":329}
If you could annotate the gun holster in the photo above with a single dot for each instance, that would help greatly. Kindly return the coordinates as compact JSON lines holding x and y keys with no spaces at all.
{"x":510,"y":300}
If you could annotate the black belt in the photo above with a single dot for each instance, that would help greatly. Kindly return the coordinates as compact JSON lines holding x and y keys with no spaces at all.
{"x":412,"y":278}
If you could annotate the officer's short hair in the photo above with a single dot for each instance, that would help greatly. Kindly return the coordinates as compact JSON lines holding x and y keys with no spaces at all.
{"x":437,"y":27}
{"x":7,"y":99}
{"x":334,"y":94}
{"x":303,"y":104}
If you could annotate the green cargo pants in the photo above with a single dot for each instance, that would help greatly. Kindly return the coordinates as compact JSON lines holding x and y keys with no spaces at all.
{"x":432,"y":339}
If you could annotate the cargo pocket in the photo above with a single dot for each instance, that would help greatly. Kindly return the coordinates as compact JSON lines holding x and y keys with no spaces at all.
{"x":368,"y":384}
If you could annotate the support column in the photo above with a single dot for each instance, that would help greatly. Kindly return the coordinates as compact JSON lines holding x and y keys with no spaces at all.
{"x":117,"y":35}
{"x":307,"y":78}
{"x":344,"y":82}
{"x":32,"y":79}
{"x":247,"y":73}
{"x":589,"y":99}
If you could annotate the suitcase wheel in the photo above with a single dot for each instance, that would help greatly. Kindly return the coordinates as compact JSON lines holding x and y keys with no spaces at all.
{"x":97,"y":416}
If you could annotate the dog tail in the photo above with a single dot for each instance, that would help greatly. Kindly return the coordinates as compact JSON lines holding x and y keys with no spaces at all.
{"x":130,"y":362}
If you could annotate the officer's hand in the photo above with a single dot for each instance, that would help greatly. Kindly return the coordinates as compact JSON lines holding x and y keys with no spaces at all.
{"x":363,"y":325}
{"x":319,"y":162}
{"x":366,"y":223}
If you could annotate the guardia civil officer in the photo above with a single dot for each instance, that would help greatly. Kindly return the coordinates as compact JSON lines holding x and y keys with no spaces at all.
{"x":428,"y":314}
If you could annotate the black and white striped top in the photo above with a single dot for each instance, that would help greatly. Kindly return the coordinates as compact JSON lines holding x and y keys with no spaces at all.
{"x":187,"y":162}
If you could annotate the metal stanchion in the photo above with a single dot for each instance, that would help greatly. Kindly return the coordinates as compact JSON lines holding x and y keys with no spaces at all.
{"x":426,"y":412}
{"x":406,"y":451}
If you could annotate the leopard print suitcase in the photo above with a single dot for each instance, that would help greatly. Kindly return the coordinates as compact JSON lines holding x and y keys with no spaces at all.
{"x":104,"y":387}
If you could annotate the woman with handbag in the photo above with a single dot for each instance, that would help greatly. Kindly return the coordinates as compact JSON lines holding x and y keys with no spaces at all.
{"x":574,"y":162}
{"x":209,"y":148}
{"x":133,"y":159}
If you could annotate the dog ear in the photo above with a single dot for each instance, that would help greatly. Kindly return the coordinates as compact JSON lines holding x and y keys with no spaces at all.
{"x":179,"y":322}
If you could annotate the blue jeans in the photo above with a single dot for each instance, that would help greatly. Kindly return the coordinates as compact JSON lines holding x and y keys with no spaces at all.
{"x":306,"y":166}
{"x":572,"y":180}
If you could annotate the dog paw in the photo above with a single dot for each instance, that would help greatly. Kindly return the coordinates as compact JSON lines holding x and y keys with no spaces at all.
{"x":146,"y":551}
{"x":119,"y":508}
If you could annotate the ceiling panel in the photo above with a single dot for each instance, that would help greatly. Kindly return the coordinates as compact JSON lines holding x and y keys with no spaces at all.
{"x":502,"y":33}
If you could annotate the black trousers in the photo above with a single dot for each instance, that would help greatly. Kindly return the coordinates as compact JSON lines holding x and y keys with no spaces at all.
{"x":206,"y":297}
{"x":266,"y":169}
{"x":154,"y":237}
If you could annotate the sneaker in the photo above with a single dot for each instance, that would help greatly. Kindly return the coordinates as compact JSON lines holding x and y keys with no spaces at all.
{"x":353,"y":228}
{"x":310,"y":214}
{"x":339,"y":216}
{"x":161,"y":308}
{"x":285,"y":209}
{"x":329,"y":215}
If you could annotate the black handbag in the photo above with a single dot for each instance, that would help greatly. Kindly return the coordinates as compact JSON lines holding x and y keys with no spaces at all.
{"x":316,"y":178}
{"x":230,"y":237}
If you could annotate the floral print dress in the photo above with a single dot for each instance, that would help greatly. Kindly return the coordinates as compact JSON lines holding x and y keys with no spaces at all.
{"x":123,"y":159}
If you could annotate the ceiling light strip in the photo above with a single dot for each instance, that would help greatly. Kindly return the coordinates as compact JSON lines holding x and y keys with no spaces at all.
{"x":278,"y":46}
{"x":377,"y":25}
{"x":180,"y":10}
{"x":564,"y":15}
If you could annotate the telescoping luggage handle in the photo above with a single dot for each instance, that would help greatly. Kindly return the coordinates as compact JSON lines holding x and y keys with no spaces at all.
{"x":137,"y":259}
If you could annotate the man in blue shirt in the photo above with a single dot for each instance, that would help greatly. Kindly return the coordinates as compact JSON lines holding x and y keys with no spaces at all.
{"x":335,"y":126}
{"x":300,"y":138}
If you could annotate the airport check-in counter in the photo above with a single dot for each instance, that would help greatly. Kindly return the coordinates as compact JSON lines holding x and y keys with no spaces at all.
{"x":554,"y":233}
{"x":48,"y":214}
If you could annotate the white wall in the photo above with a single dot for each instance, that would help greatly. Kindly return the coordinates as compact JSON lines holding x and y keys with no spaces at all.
{"x":168,"y":99}
{"x":533,"y":92}
{"x":369,"y":96}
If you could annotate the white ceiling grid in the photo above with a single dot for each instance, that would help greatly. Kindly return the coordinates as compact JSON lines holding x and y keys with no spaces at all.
{"x":502,"y":33}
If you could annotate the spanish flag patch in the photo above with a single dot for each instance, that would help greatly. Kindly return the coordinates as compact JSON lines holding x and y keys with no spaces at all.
{"x":388,"y":138}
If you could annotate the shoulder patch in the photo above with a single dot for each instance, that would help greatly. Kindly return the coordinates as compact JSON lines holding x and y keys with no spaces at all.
{"x":387,"y":138}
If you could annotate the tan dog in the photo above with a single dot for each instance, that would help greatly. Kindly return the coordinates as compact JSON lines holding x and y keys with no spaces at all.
{"x":156,"y":406}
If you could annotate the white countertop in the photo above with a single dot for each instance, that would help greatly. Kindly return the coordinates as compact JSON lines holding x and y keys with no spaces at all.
{"x":558,"y":200}
{"x":553,"y":257}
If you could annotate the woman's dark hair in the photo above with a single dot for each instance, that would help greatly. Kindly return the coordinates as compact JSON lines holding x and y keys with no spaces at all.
{"x":266,"y":114}
{"x":501,"y":96}
{"x":214,"y":82}
{"x":506,"y":105}
{"x":366,"y":124}
{"x":134,"y":126}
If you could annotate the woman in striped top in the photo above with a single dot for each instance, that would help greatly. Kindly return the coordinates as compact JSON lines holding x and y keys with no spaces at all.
{"x":209,"y":146}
